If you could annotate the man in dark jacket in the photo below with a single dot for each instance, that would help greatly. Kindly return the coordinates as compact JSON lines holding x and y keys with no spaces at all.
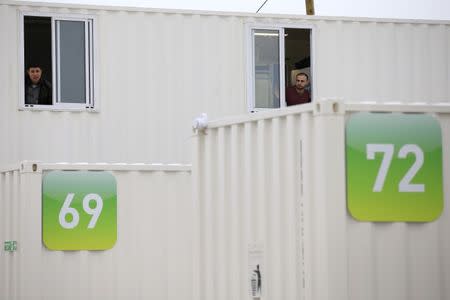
{"x":38,"y":91}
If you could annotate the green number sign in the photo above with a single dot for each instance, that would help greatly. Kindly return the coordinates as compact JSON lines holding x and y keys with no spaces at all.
{"x":394,"y":167}
{"x":79,"y":210}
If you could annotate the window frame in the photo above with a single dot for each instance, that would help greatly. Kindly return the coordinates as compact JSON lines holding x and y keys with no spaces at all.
{"x":250,"y":42}
{"x":91,"y":82}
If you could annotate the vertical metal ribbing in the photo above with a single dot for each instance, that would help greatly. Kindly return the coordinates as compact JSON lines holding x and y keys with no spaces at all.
{"x":221,"y":234}
{"x":124,"y":213}
{"x":6,"y":260}
{"x":337,"y":211}
{"x":440,"y":72}
{"x":386,"y":56}
{"x":252,"y":186}
{"x":259,"y":199}
{"x":208,"y":216}
{"x":24,"y":242}
{"x":248,"y":192}
{"x":420,"y":273}
{"x":271,"y":164}
{"x":181,"y":231}
{"x":390,"y":261}
{"x":234,"y":247}
{"x":141,"y":256}
{"x":15,"y":232}
{"x":306,"y":203}
{"x":320,"y":279}
{"x":275,"y":236}
{"x":197,"y":154}
{"x":444,"y":226}
{"x":138,"y":205}
{"x":395,"y":55}
{"x":134,"y":215}
{"x":290,"y":182}
{"x":362,"y":267}
{"x":329,"y":230}
{"x":404,"y":62}
{"x":32,"y":256}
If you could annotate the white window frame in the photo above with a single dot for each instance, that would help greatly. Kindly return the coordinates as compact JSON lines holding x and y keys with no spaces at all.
{"x":250,"y":42}
{"x":91,"y":85}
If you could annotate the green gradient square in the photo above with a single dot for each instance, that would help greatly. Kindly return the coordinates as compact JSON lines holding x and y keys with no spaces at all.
{"x":90,"y":195}
{"x":390,"y":201}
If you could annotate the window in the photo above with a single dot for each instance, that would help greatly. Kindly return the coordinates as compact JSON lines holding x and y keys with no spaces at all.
{"x":57,"y":62}
{"x":276,"y":56}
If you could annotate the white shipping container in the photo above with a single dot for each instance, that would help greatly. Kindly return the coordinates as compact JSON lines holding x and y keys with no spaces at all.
{"x":263,"y":213}
{"x":155,"y":70}
{"x":150,"y":260}
{"x":268,"y":219}
{"x":278,"y":181}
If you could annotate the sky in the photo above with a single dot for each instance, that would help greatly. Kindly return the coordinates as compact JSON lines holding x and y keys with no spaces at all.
{"x":398,"y":9}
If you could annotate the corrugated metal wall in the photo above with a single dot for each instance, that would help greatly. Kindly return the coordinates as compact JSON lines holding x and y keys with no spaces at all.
{"x":248,"y":184}
{"x":158,"y":70}
{"x":383,"y":61}
{"x":403,"y":260}
{"x":279,"y":180}
{"x":152,"y":258}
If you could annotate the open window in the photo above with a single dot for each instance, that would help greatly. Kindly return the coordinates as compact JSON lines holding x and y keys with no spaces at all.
{"x":58,"y":62}
{"x":276,"y":56}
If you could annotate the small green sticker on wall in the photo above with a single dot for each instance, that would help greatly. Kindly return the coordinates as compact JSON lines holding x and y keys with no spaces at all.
{"x":394,"y":167}
{"x":10,"y":246}
{"x":79,"y":210}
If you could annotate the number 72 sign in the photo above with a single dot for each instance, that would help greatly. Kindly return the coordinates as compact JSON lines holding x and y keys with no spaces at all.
{"x":394,"y":167}
{"x":79,"y":210}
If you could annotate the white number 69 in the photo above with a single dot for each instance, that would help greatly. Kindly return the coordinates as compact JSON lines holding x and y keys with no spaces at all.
{"x":67,"y":210}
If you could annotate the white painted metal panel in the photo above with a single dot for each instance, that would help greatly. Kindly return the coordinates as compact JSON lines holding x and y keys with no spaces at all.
{"x":248,"y":185}
{"x":158,"y":69}
{"x":403,"y":260}
{"x":278,"y":179}
{"x":152,"y":258}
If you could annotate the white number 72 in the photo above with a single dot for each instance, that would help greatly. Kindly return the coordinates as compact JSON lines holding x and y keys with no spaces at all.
{"x":405,"y":184}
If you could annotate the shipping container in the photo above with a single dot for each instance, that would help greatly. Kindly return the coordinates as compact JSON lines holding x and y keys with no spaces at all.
{"x":269,"y":209}
{"x":274,"y":193}
{"x":151,"y":256}
{"x":148,"y":72}
{"x":264,"y":212}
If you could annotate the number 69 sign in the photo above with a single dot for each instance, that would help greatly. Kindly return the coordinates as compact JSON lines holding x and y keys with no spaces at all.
{"x":394,"y":167}
{"x":79,"y":210}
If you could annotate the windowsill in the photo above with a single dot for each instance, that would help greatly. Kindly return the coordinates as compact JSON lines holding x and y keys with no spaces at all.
{"x":58,"y":109}
{"x":256,"y":110}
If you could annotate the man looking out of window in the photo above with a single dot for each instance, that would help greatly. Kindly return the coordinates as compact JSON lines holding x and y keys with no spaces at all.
{"x":298,"y":94}
{"x":37,"y":89}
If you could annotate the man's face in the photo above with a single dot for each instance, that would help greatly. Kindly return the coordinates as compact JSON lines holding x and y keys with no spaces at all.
{"x":301,"y":82}
{"x":35,"y":74}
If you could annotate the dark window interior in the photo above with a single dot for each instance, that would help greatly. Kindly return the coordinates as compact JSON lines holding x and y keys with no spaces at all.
{"x":38,"y":44}
{"x":297,"y":53}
